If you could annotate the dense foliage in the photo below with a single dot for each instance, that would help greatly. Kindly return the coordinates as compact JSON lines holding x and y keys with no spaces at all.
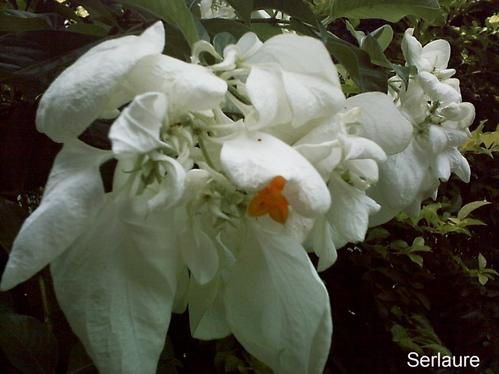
{"x":424,"y":284}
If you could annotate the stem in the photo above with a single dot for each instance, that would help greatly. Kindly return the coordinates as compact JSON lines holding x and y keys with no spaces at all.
{"x":45,"y":303}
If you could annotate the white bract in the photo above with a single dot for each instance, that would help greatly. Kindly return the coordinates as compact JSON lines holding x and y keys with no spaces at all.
{"x":432,"y":103}
{"x":226,"y":176}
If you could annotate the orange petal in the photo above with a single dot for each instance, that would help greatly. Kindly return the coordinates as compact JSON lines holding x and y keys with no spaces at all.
{"x":270,"y":200}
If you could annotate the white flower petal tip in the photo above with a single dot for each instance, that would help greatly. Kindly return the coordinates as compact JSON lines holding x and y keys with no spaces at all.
{"x":72,"y":197}
{"x":433,"y":57}
{"x":321,"y":241}
{"x":277,"y":306}
{"x":381,"y":121}
{"x":252,"y":160}
{"x":117,"y":286}
{"x":437,"y":53}
{"x":86,"y":87}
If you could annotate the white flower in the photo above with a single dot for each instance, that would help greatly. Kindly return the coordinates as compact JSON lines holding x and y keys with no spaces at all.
{"x":72,"y":198}
{"x":114,"y":257}
{"x":346,"y":150}
{"x":433,"y":57}
{"x":432,"y":102}
{"x":277,"y":306}
{"x":288,"y":79}
{"x":252,"y":160}
{"x":93,"y":86}
{"x":216,"y":9}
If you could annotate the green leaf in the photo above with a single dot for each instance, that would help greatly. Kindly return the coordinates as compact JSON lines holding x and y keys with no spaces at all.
{"x":482,"y":279}
{"x":358,"y":35}
{"x":18,"y":21}
{"x":358,"y":64}
{"x":295,"y":8}
{"x":243,"y":8}
{"x":390,"y":10}
{"x":265,"y":30}
{"x":375,"y":52}
{"x":471,"y":222}
{"x":405,"y":72}
{"x":417,"y":259}
{"x":174,"y":12}
{"x":383,"y":35}
{"x":216,"y":26}
{"x":28,"y":344}
{"x":470,"y":207}
{"x":36,"y":57}
{"x":89,"y":29}
{"x":482,"y":261}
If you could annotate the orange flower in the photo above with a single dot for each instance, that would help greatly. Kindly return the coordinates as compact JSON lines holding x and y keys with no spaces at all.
{"x":270,"y":200}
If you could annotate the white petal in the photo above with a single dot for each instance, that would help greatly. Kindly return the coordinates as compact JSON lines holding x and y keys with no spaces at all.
{"x":302,"y":66}
{"x":253,"y":159}
{"x":462,"y":115}
{"x":277,"y":307}
{"x":266,"y":92}
{"x":311,"y":97}
{"x":356,"y":147}
{"x":437,"y":53}
{"x":412,"y":49}
{"x":207,"y":310}
{"x":350,"y":210}
{"x":188,"y":87}
{"x":321,"y":241}
{"x":297,"y":54}
{"x":82,"y":92}
{"x":325,"y":157}
{"x":297,"y":227}
{"x":366,"y":170}
{"x":169,"y":192}
{"x":438,"y":91}
{"x":199,"y":253}
{"x":248,"y":45}
{"x":136,"y":131}
{"x":116,"y":286}
{"x":452,"y":161}
{"x":414,"y":102}
{"x":437,"y":138}
{"x":72,"y":197}
{"x":401,"y":178}
{"x":381,"y":121}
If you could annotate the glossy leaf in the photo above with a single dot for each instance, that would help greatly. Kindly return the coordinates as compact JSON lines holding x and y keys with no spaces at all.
{"x":243,"y":8}
{"x":295,"y":8}
{"x":466,"y":210}
{"x":358,"y":64}
{"x":175,"y":12}
{"x":28,"y":344}
{"x":18,"y":21}
{"x":390,"y":10}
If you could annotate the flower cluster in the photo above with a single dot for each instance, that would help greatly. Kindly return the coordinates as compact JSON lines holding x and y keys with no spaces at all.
{"x":227,"y":174}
